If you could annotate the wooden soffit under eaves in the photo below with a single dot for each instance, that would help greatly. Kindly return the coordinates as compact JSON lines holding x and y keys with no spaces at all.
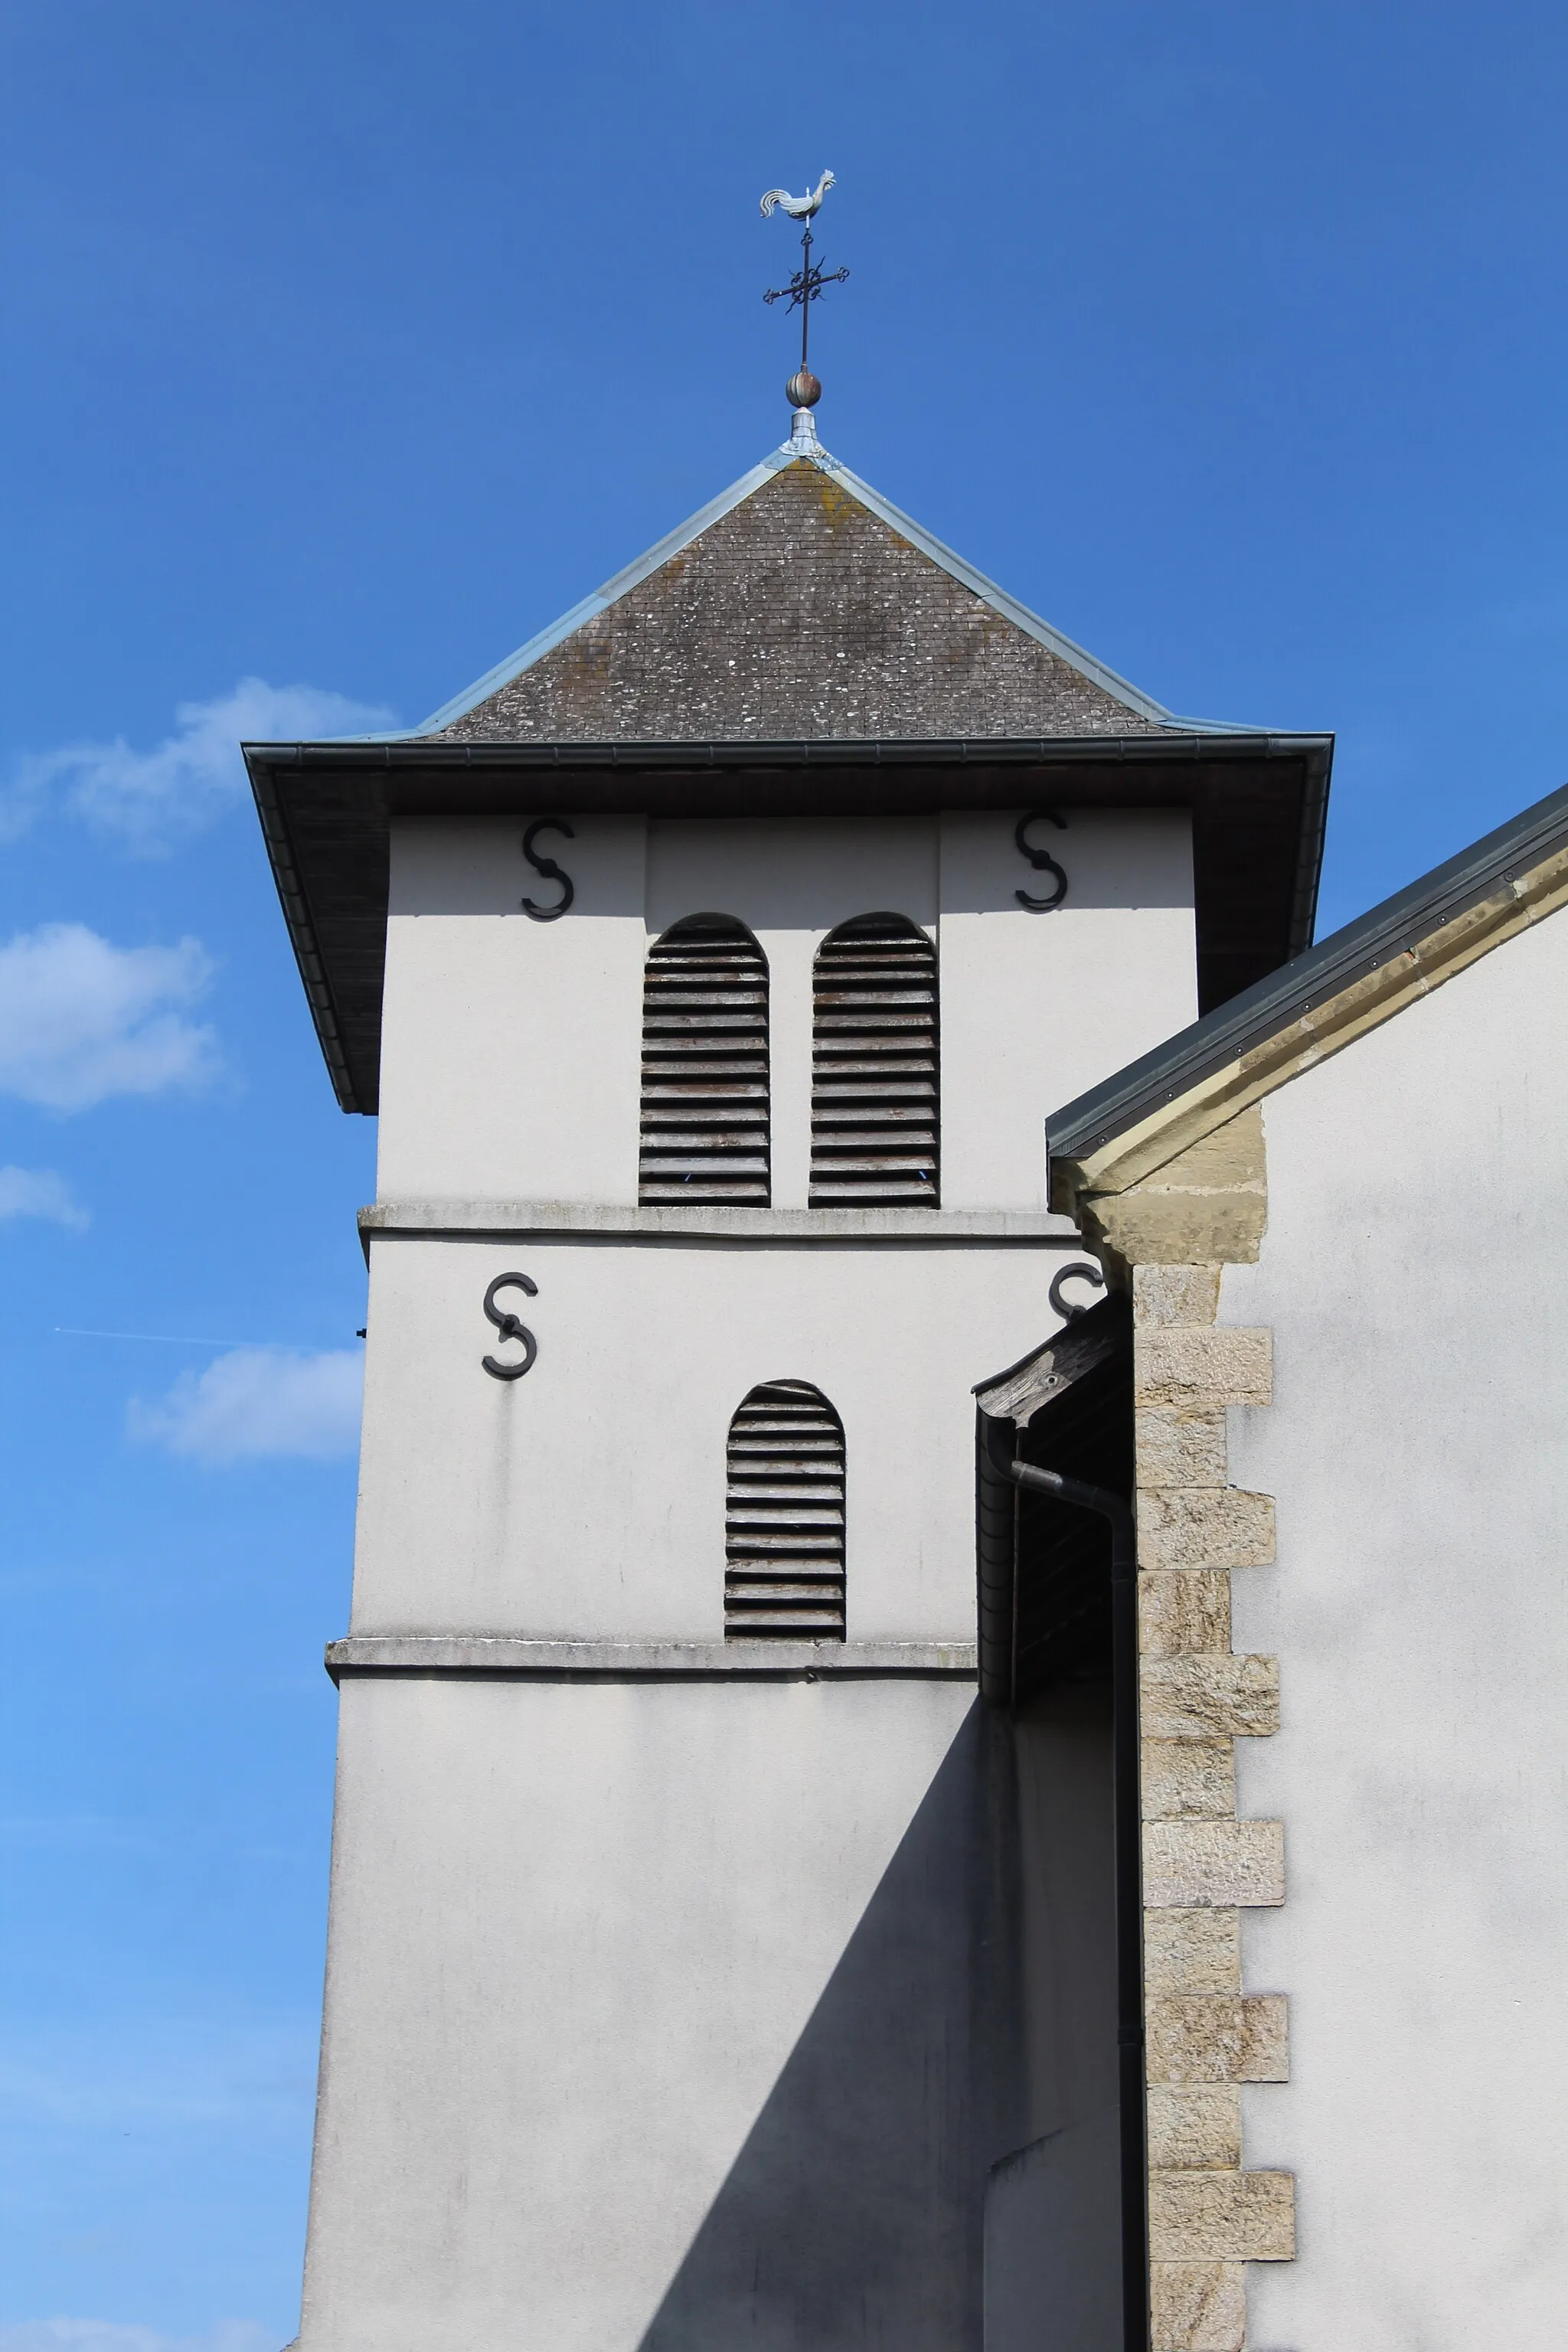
{"x":1258,"y":805}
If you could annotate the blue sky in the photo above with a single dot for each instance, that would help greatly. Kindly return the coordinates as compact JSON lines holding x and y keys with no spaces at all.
{"x":345,"y":346}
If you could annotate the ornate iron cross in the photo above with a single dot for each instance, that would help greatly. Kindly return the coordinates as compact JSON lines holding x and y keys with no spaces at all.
{"x":805,"y":287}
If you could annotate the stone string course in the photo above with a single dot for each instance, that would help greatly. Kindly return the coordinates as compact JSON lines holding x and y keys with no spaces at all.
{"x":1207,"y":2218}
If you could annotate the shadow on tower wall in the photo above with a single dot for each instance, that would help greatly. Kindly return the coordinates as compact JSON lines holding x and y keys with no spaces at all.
{"x":969,"y":2023}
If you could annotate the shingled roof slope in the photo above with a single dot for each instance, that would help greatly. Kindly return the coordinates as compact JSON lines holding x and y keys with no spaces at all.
{"x":799,"y":606}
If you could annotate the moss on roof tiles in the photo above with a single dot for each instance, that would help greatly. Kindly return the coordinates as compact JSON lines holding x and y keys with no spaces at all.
{"x":799,"y":614}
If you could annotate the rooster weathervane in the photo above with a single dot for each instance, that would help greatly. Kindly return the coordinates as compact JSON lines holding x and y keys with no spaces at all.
{"x":802,"y":389}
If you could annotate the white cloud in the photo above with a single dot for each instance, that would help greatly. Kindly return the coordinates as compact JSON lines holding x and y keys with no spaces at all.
{"x":39,"y":1192}
{"x":150,"y":799}
{"x":81,"y":1020}
{"x":257,"y":1401}
{"x":114,"y":2335}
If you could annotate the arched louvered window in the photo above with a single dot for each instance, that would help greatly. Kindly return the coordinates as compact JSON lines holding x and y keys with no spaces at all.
{"x":783,"y":1528}
{"x":705,"y":1064}
{"x":875,"y":1110}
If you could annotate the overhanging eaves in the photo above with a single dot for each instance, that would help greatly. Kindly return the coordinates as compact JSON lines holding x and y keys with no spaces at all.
{"x":1256,"y":804}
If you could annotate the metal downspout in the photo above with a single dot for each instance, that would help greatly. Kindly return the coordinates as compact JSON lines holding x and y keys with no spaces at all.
{"x":1129,"y":1866}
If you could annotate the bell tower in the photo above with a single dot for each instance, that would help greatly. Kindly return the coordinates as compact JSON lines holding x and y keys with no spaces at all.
{"x":711,"y":1964}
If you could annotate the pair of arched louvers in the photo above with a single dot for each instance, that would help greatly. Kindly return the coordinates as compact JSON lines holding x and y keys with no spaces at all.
{"x":875,"y":1131}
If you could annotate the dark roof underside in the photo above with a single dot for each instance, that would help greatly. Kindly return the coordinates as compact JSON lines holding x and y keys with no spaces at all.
{"x":1044,"y":1566}
{"x":1258,"y":805}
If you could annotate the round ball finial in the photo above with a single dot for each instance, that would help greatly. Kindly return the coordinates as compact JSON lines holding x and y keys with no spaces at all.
{"x":802,"y":389}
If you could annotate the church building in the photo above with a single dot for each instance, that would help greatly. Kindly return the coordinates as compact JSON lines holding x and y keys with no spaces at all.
{"x":785,"y":1895}
{"x":1336,"y":1207}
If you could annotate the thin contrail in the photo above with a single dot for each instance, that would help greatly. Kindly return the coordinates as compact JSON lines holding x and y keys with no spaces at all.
{"x":167,"y":1339}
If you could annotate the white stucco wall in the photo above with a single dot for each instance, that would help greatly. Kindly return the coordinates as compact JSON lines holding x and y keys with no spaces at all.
{"x":1037,"y":1008}
{"x":670,"y":2015}
{"x":1414,"y":1272}
{"x":690,"y":2015}
{"x":585,"y":2057}
{"x":510,"y":1048}
{"x":587,"y":1498}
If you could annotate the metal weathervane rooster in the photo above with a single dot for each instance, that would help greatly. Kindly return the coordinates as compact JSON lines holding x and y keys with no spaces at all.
{"x":807,"y":207}
{"x":802,"y":389}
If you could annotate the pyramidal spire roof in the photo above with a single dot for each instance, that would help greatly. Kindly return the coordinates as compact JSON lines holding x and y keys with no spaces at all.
{"x":798,"y":649}
{"x":798,"y":606}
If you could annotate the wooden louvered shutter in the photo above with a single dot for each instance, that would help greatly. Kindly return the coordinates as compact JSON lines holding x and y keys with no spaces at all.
{"x":705,"y":1064}
{"x":874,"y":1092}
{"x":783,"y":1575}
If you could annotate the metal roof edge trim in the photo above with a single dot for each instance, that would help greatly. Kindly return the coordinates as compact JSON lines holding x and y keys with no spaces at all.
{"x":1233,"y":743}
{"x":1424,"y":906}
{"x":1312,"y":840}
{"x":621,"y":583}
{"x":302,"y":929}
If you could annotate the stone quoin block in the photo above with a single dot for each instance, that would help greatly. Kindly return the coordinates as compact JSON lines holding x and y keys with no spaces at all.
{"x":1186,"y":1780}
{"x":1190,"y":1862}
{"x":1191,"y":1951}
{"x":1182,"y":1366}
{"x":1209,"y":1527}
{"x":1219,"y":2038}
{"x":1208,"y":1203}
{"x":1153,"y":1224}
{"x":1180,"y":1448}
{"x":1194,"y":2124}
{"x":1238,"y":2217}
{"x":1174,"y":1294}
{"x":1197,"y":2306}
{"x":1184,"y":1610}
{"x":1210,"y":1697}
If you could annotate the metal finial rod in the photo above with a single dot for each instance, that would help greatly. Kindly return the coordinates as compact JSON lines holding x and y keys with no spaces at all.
{"x":807,"y":284}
